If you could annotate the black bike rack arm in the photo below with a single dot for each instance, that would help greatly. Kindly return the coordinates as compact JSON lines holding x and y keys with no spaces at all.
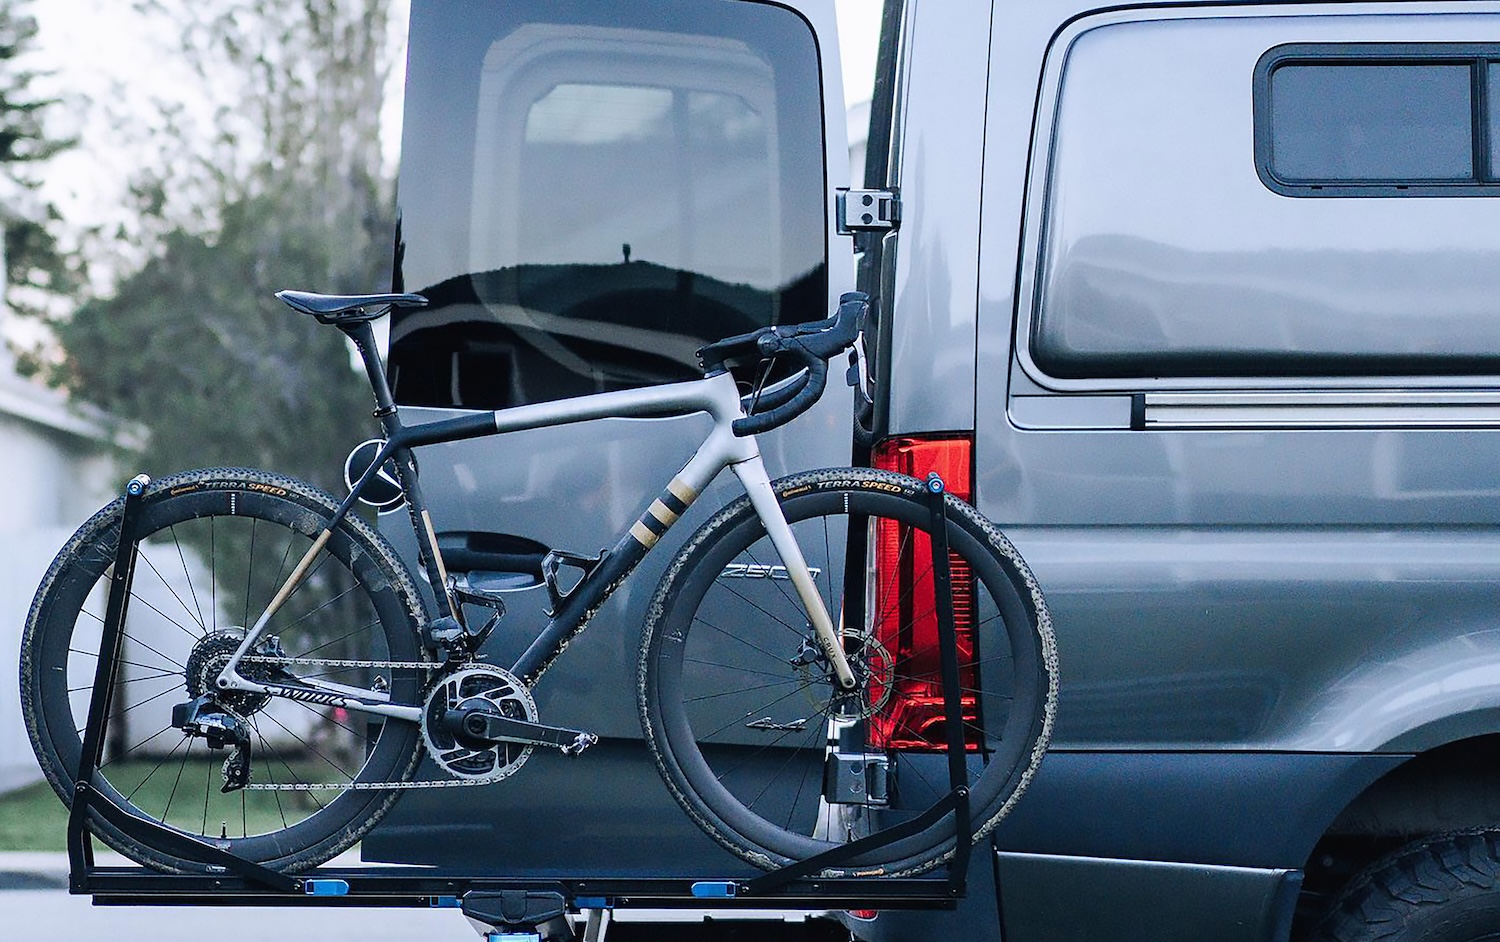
{"x":957,"y":799}
{"x":85,"y":793}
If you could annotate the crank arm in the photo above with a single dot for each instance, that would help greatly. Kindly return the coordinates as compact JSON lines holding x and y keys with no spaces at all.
{"x":492,"y":727}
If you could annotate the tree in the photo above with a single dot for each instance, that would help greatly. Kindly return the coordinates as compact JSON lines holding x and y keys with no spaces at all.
{"x":288,"y":191}
{"x":37,"y":272}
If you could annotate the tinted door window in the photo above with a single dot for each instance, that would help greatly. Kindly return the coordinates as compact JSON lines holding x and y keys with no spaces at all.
{"x":587,"y":201}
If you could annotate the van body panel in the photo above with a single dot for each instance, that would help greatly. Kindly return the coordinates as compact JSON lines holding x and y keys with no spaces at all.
{"x":942,"y":155}
{"x":1270,"y":563}
{"x":1053,"y":899}
{"x":1308,"y":584}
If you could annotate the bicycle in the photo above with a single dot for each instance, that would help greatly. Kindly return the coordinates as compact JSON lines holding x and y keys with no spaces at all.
{"x":290,"y":676}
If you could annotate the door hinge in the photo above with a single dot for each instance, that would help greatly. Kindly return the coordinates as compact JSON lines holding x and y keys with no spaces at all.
{"x":868,"y":211}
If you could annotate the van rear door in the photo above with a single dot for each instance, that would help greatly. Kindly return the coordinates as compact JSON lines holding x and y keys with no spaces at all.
{"x":590,"y":192}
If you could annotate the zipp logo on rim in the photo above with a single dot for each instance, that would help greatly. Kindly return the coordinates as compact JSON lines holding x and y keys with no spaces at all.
{"x":757,"y":571}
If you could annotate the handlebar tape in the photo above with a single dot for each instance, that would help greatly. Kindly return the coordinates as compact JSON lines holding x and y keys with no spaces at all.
{"x":812,"y":344}
{"x":811,"y":389}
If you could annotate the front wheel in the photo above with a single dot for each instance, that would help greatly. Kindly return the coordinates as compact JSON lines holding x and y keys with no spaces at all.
{"x":741,"y":711}
{"x":215,"y":546}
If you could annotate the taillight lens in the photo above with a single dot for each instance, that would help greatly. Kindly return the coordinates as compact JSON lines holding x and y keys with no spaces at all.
{"x":905,"y":613}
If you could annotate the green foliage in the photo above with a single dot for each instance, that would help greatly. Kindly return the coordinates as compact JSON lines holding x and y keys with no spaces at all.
{"x":37,"y":271}
{"x":196,"y":351}
{"x":287,"y":192}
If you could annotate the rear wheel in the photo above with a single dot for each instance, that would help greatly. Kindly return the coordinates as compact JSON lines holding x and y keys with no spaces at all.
{"x":740,"y":707}
{"x":217,"y":545}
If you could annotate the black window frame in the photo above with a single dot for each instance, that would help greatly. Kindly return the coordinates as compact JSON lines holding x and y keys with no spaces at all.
{"x":1479,"y":57}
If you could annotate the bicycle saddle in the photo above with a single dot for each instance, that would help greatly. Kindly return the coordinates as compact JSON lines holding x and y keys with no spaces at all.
{"x":347,"y":308}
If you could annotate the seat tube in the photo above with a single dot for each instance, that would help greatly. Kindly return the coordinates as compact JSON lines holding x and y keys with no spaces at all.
{"x":757,"y":484}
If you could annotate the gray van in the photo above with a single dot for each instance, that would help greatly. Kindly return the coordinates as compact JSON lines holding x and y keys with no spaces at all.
{"x":1196,"y":300}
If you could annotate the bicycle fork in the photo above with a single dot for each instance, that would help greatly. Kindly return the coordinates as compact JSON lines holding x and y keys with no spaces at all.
{"x":757,"y":484}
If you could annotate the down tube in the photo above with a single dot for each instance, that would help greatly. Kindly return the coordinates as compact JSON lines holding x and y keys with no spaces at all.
{"x":573,"y":613}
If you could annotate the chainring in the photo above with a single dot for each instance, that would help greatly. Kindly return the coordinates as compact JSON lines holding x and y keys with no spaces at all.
{"x":477,"y":685}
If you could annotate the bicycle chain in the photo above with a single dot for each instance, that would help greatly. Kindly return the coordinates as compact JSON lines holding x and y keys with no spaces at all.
{"x":337,"y":662}
{"x":357,"y":786}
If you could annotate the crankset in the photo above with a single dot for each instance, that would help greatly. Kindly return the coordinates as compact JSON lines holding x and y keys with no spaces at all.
{"x":480,"y":722}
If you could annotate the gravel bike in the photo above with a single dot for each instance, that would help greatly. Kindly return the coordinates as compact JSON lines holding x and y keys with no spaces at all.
{"x":281,"y":674}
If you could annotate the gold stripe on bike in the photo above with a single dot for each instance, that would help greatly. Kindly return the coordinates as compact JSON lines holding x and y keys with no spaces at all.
{"x":643,"y":534}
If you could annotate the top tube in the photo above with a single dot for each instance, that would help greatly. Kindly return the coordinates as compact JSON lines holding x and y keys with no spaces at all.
{"x":716,"y":395}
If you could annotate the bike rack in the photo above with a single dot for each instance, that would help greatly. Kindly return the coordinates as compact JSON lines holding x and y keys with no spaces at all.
{"x":524,"y":907}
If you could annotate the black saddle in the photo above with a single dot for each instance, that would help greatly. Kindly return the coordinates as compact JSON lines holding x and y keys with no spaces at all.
{"x":347,"y":308}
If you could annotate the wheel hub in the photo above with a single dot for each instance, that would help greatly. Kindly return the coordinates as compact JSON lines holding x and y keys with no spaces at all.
{"x":211,"y":655}
{"x":874,"y":677}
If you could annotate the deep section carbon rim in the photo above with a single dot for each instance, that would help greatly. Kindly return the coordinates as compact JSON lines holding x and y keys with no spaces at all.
{"x":741,"y":711}
{"x":218,"y":544}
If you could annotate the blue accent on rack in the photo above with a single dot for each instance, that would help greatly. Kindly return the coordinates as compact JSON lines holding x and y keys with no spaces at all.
{"x":445,"y":902}
{"x":326,"y":887}
{"x":714,"y":889}
{"x":592,"y":902}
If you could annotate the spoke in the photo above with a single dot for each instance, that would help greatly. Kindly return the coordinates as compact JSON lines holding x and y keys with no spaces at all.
{"x":310,"y":748}
{"x":333,"y":641}
{"x":144,"y":667}
{"x":270,"y":769}
{"x":208,"y":790}
{"x":129,"y":680}
{"x":121,"y":757}
{"x":145,"y":558}
{"x":744,"y":690}
{"x":186,"y":741}
{"x":760,"y":709}
{"x":700,"y":620}
{"x":188,"y":576}
{"x":315,"y":611}
{"x":178,"y":781}
{"x":734,"y":667}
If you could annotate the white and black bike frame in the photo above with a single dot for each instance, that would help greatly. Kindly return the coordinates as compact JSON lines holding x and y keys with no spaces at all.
{"x":716,"y":394}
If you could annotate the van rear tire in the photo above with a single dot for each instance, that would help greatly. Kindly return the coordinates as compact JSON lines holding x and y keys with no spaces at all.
{"x":1444,"y":889}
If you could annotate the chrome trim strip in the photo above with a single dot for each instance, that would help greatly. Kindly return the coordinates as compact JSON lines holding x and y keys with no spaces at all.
{"x":1323,"y":410}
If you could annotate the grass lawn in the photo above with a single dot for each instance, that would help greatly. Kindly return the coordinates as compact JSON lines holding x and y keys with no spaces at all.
{"x":34,"y":819}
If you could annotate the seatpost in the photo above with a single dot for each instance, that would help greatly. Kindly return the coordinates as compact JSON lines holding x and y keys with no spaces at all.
{"x":363,"y":336}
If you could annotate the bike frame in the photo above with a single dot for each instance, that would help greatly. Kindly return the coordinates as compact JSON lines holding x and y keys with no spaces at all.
{"x":716,"y":395}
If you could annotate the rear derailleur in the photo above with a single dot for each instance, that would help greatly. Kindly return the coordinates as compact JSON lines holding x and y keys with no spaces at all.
{"x":220,"y":729}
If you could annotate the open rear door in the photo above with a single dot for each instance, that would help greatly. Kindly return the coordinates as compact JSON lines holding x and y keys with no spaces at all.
{"x":590,"y":192}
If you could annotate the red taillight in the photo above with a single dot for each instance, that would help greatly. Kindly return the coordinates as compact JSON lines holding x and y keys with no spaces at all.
{"x":905,"y":614}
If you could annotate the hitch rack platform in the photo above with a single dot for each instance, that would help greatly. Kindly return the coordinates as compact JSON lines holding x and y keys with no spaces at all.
{"x":502,"y":902}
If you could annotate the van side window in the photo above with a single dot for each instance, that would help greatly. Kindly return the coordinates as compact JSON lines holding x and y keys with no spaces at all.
{"x":1377,"y":119}
{"x":589,"y":195}
{"x":1160,"y":258}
